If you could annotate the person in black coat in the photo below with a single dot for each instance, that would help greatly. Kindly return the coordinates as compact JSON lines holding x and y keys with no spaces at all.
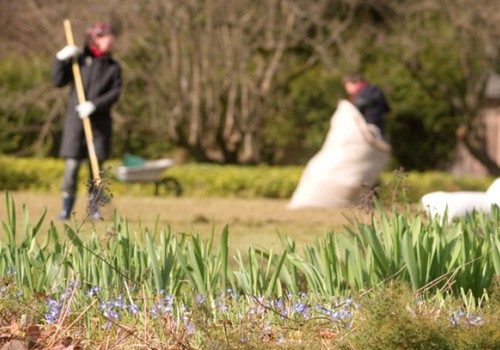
{"x":101,"y":77}
{"x":368,"y":99}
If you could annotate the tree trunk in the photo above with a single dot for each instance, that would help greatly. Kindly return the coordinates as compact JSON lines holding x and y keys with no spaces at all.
{"x":477,"y":147}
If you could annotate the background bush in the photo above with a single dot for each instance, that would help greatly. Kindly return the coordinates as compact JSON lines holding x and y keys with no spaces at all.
{"x":392,"y":319}
{"x":269,"y":98}
{"x":205,"y":180}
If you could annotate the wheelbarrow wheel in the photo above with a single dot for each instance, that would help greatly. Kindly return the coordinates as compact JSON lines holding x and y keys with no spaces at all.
{"x":170,"y":184}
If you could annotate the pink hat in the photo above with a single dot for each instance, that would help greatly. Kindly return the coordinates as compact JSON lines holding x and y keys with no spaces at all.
{"x":97,"y":30}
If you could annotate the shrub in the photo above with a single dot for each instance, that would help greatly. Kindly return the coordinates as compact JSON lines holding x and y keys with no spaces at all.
{"x":391,"y":318}
{"x":204,"y":180}
{"x":237,"y":181}
{"x":30,"y":174}
{"x":413,"y":185}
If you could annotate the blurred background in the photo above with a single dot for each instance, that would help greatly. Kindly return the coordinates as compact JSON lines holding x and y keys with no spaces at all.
{"x":256,"y":82}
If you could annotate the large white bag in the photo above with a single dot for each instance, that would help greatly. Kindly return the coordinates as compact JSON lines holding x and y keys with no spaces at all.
{"x":460,"y":204}
{"x":352,"y":157}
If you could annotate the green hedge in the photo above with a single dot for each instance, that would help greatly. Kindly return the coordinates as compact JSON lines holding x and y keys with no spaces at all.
{"x":30,"y":174}
{"x":205,"y":180}
{"x":237,"y":181}
{"x":413,"y":185}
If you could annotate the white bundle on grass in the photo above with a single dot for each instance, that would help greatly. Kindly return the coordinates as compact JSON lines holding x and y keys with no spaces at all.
{"x":460,"y":204}
{"x":350,"y":160}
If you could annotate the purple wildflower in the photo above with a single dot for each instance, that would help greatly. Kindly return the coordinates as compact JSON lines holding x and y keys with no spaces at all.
{"x":54,"y":312}
{"x":200,"y":299}
{"x":190,"y":328}
{"x":164,"y":306}
{"x":133,"y":309}
{"x":301,"y":309}
{"x":93,"y":291}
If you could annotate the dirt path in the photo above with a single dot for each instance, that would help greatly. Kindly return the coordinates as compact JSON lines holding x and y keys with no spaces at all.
{"x":251,"y":221}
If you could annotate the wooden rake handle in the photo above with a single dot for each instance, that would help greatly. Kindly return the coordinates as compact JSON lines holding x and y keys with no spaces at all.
{"x":94,"y":164}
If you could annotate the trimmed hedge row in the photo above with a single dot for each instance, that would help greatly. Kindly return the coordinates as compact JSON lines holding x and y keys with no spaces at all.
{"x":280,"y":182}
{"x":205,"y":180}
{"x":237,"y":181}
{"x":31,"y":174}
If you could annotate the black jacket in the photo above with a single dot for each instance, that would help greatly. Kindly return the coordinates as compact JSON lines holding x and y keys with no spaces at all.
{"x":371,"y":102}
{"x":102,"y":83}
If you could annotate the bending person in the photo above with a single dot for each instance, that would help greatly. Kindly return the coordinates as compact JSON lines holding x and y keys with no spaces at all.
{"x":368,"y":99}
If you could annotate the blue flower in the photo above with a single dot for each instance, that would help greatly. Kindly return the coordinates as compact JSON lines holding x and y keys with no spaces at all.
{"x":279,"y":304}
{"x":118,"y":302}
{"x":200,"y":299}
{"x":301,"y":309}
{"x":455,"y":319}
{"x":232,"y":294}
{"x":111,"y":309}
{"x":54,"y":312}
{"x":221,"y":305}
{"x":347,"y":302}
{"x":93,"y":291}
{"x":164,"y":306}
{"x":190,"y":328}
{"x":108,"y":325}
{"x":243,"y":340}
{"x":475,"y":321}
{"x":134,"y":309}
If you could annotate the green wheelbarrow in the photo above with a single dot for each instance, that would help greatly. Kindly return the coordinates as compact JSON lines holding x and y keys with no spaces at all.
{"x":135,"y":169}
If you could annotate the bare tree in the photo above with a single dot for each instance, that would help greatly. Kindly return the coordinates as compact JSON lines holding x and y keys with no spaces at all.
{"x":211,"y":69}
{"x":204,"y":75}
{"x":463,"y":36}
{"x":478,"y":34}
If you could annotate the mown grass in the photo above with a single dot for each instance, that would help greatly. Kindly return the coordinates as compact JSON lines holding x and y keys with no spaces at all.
{"x":254,"y":221}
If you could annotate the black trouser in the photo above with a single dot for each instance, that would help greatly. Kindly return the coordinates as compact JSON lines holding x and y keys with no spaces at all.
{"x":70,"y":180}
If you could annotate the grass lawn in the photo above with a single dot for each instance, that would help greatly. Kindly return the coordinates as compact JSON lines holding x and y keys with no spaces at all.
{"x":251,"y":221}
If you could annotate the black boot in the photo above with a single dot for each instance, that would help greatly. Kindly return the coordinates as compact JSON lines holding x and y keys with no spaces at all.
{"x":66,"y":208}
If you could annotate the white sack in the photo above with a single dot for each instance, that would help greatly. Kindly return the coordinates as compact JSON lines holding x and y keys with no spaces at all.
{"x":460,"y":204}
{"x":493,"y":192}
{"x":352,"y":157}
